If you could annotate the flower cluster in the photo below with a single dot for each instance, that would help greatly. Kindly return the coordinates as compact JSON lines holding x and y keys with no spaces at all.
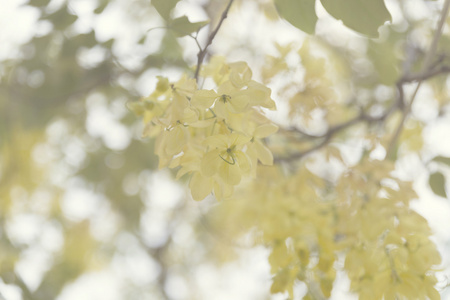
{"x":216,"y":136}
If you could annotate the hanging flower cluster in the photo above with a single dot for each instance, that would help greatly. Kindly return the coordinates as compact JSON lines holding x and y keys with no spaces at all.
{"x":216,"y":136}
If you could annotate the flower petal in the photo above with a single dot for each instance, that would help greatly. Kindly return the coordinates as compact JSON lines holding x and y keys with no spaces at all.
{"x":265,"y":130}
{"x":264,"y":155}
{"x":211,"y":162}
{"x":230,"y":174}
{"x":219,"y":141}
{"x":201,"y":186}
{"x":204,"y":99}
{"x":243,"y":161}
{"x":237,"y":139}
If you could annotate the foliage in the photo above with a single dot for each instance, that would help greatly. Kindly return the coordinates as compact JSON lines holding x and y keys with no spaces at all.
{"x":217,"y":128}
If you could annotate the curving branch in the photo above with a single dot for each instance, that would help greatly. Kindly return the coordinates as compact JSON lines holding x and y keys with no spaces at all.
{"x":202,"y":53}
{"x":333,"y":131}
{"x":428,"y":72}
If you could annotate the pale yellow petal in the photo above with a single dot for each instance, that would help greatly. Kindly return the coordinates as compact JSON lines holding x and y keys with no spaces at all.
{"x":230,"y":173}
{"x":226,"y":88}
{"x":239,"y":102}
{"x":220,"y":109}
{"x":238,"y":139}
{"x":201,"y":186}
{"x":175,"y":140}
{"x":204,"y":99}
{"x":202,"y":123}
{"x":222,"y":190}
{"x":260,"y":95}
{"x":211,"y":162}
{"x":240,"y":74}
{"x":219,"y":141}
{"x":179,"y":104}
{"x":243,"y":161}
{"x":265,"y":156}
{"x":189,"y":116}
{"x":265,"y":130}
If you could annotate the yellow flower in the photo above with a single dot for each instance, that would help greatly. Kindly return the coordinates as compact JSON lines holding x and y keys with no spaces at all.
{"x":257,"y":150}
{"x":226,"y":158}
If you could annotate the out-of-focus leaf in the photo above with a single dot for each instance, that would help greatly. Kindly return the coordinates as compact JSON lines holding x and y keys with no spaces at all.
{"x":38,"y":3}
{"x":363,"y":16}
{"x":300,"y":13}
{"x":182,"y":26}
{"x":61,"y":19}
{"x":86,"y":40}
{"x":170,"y":48}
{"x":101,"y":7}
{"x":164,"y":7}
{"x":108,"y":44}
{"x":442,"y":159}
{"x":385,"y":60}
{"x":437,"y":184}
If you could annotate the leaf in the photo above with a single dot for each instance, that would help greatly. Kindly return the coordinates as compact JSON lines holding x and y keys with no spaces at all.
{"x":170,"y":49}
{"x":182,"y":26}
{"x":384,"y":58}
{"x":437,"y":184}
{"x":442,"y":159}
{"x":62,"y":19}
{"x":363,"y":16}
{"x":164,"y":7}
{"x":101,"y":7}
{"x":109,"y":43}
{"x":38,"y":2}
{"x":300,"y":13}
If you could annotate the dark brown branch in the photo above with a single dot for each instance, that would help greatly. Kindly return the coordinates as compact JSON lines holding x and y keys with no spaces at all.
{"x":201,"y":55}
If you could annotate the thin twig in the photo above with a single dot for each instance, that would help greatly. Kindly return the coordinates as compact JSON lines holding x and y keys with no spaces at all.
{"x":421,"y":76}
{"x":437,"y":35}
{"x":201,"y":55}
{"x":327,"y":137}
{"x":427,"y":71}
{"x":400,"y":126}
{"x":196,"y":41}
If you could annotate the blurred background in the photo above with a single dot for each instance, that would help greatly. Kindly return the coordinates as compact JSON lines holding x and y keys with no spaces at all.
{"x":84,"y":212}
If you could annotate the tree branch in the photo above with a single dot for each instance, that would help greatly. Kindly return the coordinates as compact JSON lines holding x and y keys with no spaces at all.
{"x":428,"y":72}
{"x":422,"y":76}
{"x":202,"y":53}
{"x":332,"y":131}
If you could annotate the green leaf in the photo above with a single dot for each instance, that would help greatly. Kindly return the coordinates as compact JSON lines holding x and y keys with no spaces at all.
{"x":437,"y":184}
{"x":384,"y":58}
{"x":300,"y":13}
{"x":164,"y":7}
{"x":109,"y":43}
{"x":101,"y":7}
{"x":182,"y":26}
{"x":38,"y":3}
{"x":442,"y":159}
{"x":170,"y":49}
{"x":62,"y":19}
{"x":363,"y":16}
